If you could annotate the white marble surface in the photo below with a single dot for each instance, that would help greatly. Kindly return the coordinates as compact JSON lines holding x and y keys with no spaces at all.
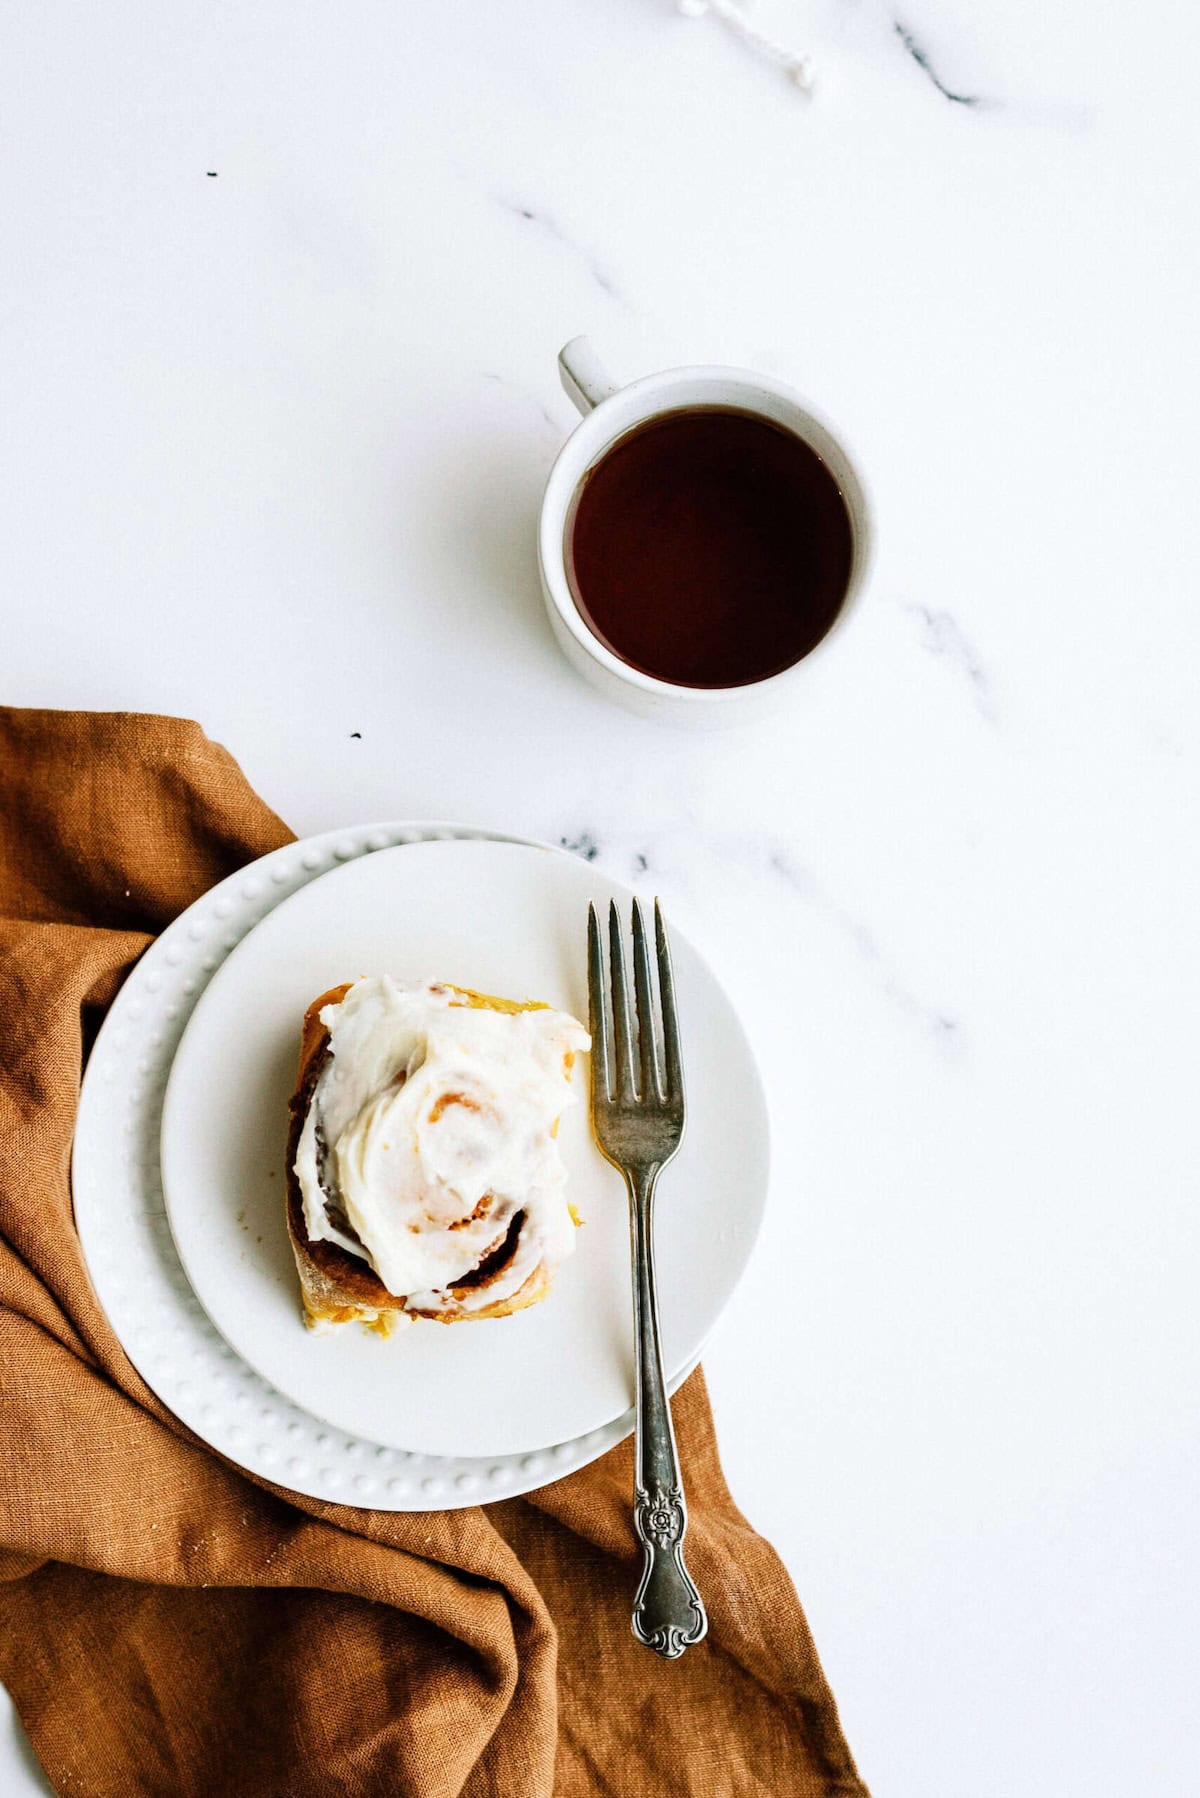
{"x":271,"y":452}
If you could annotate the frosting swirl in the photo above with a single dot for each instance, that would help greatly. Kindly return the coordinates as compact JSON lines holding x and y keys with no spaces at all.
{"x":429,"y":1145}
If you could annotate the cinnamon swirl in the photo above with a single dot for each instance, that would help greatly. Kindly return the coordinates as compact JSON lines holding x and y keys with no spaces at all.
{"x":424,"y":1178}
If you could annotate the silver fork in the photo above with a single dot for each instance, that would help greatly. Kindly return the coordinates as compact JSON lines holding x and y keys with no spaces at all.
{"x":638,"y":1124}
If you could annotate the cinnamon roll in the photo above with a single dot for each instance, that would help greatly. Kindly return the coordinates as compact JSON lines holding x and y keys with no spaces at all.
{"x":423,"y":1174}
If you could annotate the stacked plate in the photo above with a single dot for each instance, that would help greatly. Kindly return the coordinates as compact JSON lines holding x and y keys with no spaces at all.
{"x":179,"y":1183}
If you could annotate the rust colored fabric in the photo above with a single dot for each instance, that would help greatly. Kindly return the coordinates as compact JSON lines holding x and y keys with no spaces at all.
{"x":170,"y":1625}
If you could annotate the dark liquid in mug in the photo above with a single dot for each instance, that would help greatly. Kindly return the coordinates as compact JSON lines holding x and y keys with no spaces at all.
{"x":709,"y":548}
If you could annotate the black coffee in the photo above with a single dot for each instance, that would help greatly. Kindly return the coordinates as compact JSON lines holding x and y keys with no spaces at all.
{"x":710,"y":548}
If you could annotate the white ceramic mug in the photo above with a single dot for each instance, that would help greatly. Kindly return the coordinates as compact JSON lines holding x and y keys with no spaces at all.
{"x":609,"y":412}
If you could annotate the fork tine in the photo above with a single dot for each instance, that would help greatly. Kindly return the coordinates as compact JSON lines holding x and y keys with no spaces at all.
{"x":597,"y":1012}
{"x":622,"y":1039}
{"x":651,"y":1085}
{"x":672,"y":1060}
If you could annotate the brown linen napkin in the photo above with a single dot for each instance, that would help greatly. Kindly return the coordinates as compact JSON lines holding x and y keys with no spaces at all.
{"x":170,"y":1625}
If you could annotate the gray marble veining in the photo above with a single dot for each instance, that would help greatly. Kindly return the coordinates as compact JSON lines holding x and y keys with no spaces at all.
{"x":544,"y":221}
{"x":554,"y":425}
{"x":944,"y":638}
{"x":921,"y":56}
{"x":940,"y":1022}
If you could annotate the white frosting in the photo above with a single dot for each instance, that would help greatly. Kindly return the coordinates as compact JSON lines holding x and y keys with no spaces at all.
{"x":437,"y":1120}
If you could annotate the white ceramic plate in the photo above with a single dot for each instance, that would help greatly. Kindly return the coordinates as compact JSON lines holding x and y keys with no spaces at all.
{"x":131,"y":1256}
{"x":504,"y":918}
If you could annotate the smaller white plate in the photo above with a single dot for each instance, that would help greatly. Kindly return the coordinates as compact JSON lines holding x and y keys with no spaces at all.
{"x":504,"y":918}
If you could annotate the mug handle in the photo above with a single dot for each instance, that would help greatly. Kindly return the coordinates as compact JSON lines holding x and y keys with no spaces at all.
{"x":584,"y":378}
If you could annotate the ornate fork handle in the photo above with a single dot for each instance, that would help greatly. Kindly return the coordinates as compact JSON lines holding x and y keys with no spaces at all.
{"x":668,"y":1613}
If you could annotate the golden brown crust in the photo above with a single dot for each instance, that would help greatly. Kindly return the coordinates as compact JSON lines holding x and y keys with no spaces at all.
{"x":338,"y":1287}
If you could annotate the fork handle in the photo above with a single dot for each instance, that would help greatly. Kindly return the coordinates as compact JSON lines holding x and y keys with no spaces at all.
{"x":668,"y":1613}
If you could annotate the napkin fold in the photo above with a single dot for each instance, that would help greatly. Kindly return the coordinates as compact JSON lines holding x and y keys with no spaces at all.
{"x":171,"y":1625}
